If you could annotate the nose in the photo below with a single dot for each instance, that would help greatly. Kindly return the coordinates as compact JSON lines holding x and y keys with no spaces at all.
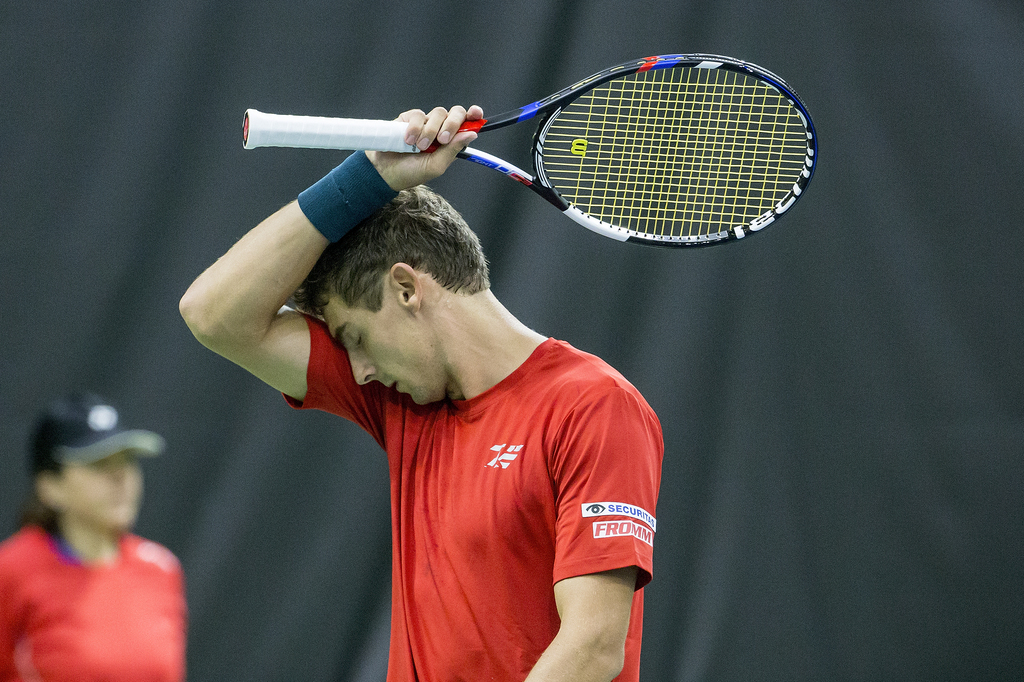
{"x":362,"y":369}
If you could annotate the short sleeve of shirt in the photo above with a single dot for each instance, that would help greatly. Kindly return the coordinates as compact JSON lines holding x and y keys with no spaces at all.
{"x":607,"y":473}
{"x":331,"y":387}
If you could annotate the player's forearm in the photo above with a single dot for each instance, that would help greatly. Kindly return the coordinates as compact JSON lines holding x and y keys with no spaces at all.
{"x":232,"y":305}
{"x":591,"y":642}
{"x":581,"y":656}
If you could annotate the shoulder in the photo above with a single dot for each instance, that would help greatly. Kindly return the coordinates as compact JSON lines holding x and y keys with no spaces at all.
{"x":145,"y":552}
{"x":25,"y":559}
{"x":587,"y":390}
{"x":576,"y":371}
{"x":26,"y":549}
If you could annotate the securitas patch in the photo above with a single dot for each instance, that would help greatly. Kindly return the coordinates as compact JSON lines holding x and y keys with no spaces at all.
{"x":618,"y":509}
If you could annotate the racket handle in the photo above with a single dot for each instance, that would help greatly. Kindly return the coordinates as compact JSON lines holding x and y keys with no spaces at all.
{"x":318,"y":132}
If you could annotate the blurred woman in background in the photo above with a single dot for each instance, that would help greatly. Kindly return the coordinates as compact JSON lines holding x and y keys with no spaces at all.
{"x":81,"y":597}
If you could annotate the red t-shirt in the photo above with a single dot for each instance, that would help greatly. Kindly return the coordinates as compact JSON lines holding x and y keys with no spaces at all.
{"x":552,"y":473}
{"x":63,"y":621}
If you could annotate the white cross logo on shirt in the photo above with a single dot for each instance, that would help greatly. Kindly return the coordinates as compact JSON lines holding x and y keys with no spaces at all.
{"x":503,"y":459}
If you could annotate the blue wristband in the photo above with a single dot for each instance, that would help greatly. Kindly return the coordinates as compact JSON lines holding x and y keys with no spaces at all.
{"x":345,"y":197}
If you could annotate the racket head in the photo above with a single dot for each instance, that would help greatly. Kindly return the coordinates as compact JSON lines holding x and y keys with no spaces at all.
{"x":674,"y":150}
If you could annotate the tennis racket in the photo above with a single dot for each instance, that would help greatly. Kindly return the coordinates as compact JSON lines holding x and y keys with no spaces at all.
{"x":672,"y":150}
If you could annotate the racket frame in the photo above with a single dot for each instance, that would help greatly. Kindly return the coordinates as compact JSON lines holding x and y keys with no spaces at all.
{"x":549,"y":108}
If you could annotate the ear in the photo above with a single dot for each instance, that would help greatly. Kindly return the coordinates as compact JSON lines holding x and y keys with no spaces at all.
{"x":49,"y":490}
{"x":406,"y":285}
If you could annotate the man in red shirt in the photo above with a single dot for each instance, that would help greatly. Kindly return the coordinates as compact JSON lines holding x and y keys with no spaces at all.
{"x":524,"y":473}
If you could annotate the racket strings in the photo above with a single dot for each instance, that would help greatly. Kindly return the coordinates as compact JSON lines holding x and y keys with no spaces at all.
{"x":677,"y":152}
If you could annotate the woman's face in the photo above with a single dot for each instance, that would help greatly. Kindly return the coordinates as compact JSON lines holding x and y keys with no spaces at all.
{"x":104,"y":495}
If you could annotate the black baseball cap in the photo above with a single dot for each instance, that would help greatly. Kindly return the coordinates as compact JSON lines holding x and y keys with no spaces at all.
{"x":84,"y":428}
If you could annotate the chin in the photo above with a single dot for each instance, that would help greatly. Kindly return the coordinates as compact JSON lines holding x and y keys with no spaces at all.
{"x":122,"y":527}
{"x":123,"y":523}
{"x":425,"y":399}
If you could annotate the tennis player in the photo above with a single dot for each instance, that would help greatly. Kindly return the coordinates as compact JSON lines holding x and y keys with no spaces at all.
{"x":524,"y":473}
{"x":81,"y":597}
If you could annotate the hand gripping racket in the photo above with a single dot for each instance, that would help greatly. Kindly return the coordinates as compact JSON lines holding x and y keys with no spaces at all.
{"x":672,"y":150}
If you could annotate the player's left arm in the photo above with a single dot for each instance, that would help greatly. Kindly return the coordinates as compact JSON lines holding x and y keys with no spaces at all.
{"x":591,"y":641}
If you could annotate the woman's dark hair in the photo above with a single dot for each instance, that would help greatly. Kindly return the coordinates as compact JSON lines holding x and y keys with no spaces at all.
{"x":34,"y":512}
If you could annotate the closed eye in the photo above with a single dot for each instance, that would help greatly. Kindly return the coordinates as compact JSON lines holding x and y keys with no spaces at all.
{"x":346,"y":337}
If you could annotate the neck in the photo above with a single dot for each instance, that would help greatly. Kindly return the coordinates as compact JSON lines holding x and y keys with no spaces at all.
{"x":484,"y":342}
{"x":90,"y":545}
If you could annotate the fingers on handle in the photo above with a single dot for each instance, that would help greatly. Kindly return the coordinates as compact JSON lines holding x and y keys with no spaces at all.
{"x":415,"y":118}
{"x":439,"y":127}
{"x":458,"y":129}
{"x":431,"y":127}
{"x":450,"y":126}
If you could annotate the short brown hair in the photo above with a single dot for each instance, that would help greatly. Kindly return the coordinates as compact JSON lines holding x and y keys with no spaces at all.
{"x":419,"y":228}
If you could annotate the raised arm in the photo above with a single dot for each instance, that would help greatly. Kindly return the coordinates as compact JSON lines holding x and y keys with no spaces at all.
{"x":591,"y":641}
{"x":235,"y":307}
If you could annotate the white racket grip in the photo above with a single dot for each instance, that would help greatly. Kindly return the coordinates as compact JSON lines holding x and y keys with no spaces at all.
{"x":320,"y":132}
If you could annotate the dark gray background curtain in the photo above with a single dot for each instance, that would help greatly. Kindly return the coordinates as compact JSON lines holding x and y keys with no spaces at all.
{"x":841,"y":395}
